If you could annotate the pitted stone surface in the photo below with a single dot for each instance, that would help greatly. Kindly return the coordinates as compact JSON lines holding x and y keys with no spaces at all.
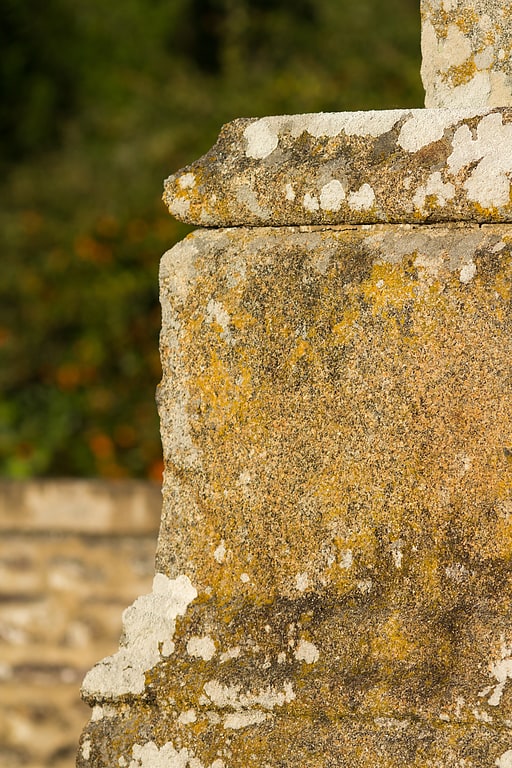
{"x":406,"y":166}
{"x":467,"y":53}
{"x":338,"y":496}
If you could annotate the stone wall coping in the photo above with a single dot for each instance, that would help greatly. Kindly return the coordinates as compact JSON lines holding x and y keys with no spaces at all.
{"x":392,"y":166}
{"x":81,"y":506}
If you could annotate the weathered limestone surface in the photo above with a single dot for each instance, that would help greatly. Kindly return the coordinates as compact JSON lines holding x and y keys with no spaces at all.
{"x":355,"y":167}
{"x":333,"y":572}
{"x":467,"y":52}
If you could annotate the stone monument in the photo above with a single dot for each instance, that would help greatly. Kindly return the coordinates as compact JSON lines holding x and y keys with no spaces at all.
{"x":334,"y":581}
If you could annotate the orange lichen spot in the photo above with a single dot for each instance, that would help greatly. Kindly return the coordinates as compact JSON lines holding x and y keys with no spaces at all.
{"x":462,"y":73}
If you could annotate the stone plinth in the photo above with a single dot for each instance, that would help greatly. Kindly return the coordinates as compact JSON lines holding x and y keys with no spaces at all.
{"x":435,"y":165}
{"x":333,"y":571}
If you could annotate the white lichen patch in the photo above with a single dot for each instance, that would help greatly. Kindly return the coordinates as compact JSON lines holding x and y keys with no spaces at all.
{"x":246,"y":195}
{"x":262,"y":136}
{"x":311,"y":203}
{"x":245,"y":578}
{"x":396,"y":553}
{"x":201,"y":647}
{"x":244,"y":479}
{"x":187,"y":181}
{"x":178,"y":269}
{"x":425,"y":126}
{"x":231,"y":653}
{"x":346,"y":559}
{"x":150,"y":756}
{"x":332,"y":196}
{"x":187,"y":717}
{"x":467,"y":272}
{"x":148,"y":629}
{"x":454,"y":49}
{"x":502,"y":672}
{"x":362,"y":199}
{"x":301,"y":582}
{"x":261,"y":139}
{"x":243,"y":719}
{"x":505,"y":761}
{"x":488,"y":184}
{"x":372,"y":123}
{"x":86,"y":748}
{"x":231,"y":696}
{"x":482,"y":717}
{"x":365,"y":586}
{"x":442,"y":191}
{"x":179,"y":206}
{"x":290,"y":193}
{"x":307,"y":652}
{"x":220,"y":552}
{"x":457,"y":572}
{"x":217,"y":314}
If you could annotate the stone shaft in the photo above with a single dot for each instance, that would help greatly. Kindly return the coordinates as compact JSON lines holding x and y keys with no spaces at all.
{"x":333,"y":582}
{"x":467,"y":53}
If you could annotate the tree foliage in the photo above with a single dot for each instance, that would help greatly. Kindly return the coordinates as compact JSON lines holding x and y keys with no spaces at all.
{"x":100,"y":102}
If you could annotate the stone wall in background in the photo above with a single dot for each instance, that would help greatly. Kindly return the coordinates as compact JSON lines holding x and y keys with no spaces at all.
{"x":73,"y":555}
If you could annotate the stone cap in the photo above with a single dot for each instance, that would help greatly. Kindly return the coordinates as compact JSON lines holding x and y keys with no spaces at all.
{"x":394,"y":166}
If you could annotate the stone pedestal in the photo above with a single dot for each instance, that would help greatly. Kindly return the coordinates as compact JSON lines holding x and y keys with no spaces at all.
{"x":334,"y":577}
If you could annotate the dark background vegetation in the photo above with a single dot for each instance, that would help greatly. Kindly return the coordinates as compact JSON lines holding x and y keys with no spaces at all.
{"x":99,"y":102}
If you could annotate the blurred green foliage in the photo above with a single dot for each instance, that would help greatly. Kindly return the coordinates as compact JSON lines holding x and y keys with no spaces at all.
{"x":100,"y":101}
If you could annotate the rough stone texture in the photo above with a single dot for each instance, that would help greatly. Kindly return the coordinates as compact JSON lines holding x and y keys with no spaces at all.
{"x":467,"y":53}
{"x":406,"y":166}
{"x":334,"y":584}
{"x":73,"y":554}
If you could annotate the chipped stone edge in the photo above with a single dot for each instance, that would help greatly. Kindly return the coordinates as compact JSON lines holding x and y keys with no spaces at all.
{"x":148,"y":627}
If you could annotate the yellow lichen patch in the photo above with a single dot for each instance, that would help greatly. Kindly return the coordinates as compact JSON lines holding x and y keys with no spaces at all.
{"x":466,"y":21}
{"x":387,"y":288}
{"x":394,"y":642}
{"x":429,"y":574}
{"x":302,"y":348}
{"x":344,"y":330}
{"x":462,"y":73}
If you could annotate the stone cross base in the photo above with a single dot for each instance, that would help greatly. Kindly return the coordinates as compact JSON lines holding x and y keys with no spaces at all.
{"x":333,"y":583}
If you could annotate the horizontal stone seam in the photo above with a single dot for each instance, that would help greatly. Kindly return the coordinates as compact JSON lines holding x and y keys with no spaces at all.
{"x":122,"y":702}
{"x":348,"y":227}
